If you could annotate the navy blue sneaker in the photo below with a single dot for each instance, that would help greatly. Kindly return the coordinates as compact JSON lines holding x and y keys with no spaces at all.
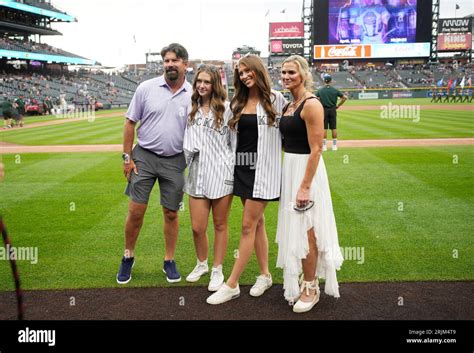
{"x":172,"y":274}
{"x":125,"y":271}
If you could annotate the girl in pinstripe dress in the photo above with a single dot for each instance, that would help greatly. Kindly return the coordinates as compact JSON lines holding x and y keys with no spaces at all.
{"x":210,"y":160}
{"x":257,"y":174}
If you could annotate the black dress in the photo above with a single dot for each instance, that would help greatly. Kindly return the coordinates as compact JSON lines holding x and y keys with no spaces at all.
{"x":246,"y":156}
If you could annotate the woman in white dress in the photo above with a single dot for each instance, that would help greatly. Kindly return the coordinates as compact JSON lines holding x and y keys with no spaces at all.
{"x":210,"y":159}
{"x":306,"y":233}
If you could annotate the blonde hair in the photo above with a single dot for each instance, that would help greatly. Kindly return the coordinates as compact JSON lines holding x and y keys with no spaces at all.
{"x":303,"y":69}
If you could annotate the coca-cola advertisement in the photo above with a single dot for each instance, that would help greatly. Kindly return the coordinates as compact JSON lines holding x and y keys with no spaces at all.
{"x":372,"y":21}
{"x":286,"y":30}
{"x":342,"y":51}
{"x":355,"y":51}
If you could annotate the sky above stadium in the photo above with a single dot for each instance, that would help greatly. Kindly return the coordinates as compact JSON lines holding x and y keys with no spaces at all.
{"x":118,"y":32}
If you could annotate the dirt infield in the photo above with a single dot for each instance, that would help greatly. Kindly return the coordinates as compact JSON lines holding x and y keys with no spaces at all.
{"x":8,"y":148}
{"x":358,"y":301}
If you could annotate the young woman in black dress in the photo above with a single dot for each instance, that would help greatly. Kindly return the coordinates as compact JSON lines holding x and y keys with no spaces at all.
{"x":256,"y":112}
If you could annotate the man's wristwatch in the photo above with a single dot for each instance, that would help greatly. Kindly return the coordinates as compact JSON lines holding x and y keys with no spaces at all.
{"x":126,"y":157}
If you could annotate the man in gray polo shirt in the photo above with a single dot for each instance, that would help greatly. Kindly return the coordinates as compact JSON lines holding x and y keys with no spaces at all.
{"x":160,"y":106}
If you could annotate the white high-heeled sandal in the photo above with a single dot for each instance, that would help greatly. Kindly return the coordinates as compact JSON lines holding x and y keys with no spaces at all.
{"x":301,"y":306}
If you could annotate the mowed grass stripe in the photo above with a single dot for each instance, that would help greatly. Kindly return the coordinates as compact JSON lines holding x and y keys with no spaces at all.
{"x":374,"y":127}
{"x":36,"y":174}
{"x":369,"y":124}
{"x":57,"y":130}
{"x":359,"y":126}
{"x":63,"y":132}
{"x":367,"y":186}
{"x":104,"y":133}
{"x":351,"y":125}
{"x":61,"y":216}
{"x":455,"y":163}
{"x":97,"y":225}
{"x":407,"y":234}
{"x":461,"y":121}
{"x":54,"y":134}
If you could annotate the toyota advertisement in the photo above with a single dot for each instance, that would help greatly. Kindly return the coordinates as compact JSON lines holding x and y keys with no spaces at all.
{"x":286,"y":38}
{"x":287,"y":46}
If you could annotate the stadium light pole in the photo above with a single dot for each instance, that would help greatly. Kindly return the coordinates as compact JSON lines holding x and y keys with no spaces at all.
{"x":267,"y":17}
{"x":135,"y":45}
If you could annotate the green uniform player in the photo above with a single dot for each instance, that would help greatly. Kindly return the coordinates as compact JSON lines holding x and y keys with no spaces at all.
{"x":329,"y":96}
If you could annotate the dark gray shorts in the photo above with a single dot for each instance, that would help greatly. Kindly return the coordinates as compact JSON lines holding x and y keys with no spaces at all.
{"x":168,"y":170}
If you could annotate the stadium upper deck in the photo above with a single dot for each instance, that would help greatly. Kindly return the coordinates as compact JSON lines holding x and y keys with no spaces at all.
{"x":22,"y":23}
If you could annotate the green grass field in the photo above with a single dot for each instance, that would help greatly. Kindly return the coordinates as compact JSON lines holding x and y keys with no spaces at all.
{"x":30,"y":119}
{"x":352,"y":125}
{"x":409,"y":209}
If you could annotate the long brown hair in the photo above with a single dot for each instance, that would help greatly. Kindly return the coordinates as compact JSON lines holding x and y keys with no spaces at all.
{"x":218,"y":96}
{"x":241,"y":95}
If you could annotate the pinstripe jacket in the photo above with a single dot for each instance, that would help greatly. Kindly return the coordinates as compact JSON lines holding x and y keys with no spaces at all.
{"x":267,"y":183}
{"x":216,"y":149}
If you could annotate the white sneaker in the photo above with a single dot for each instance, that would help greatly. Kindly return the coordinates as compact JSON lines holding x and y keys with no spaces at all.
{"x":325,"y":148}
{"x":334,"y":148}
{"x":262,"y":284}
{"x":301,"y":306}
{"x":201,"y":269}
{"x":217,"y":279}
{"x":224,"y":294}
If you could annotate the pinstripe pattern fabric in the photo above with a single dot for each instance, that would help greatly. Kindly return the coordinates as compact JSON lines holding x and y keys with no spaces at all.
{"x":268,"y":168}
{"x":216,"y":148}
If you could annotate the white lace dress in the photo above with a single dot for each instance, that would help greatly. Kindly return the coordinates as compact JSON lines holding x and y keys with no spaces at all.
{"x":292,"y":228}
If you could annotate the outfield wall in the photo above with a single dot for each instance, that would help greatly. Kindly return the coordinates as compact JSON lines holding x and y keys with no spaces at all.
{"x":395,"y":93}
{"x":388,"y":93}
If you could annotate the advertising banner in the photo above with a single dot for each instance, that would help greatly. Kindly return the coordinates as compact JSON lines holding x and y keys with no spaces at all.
{"x":402,"y":50}
{"x":407,"y":94}
{"x":450,"y":42}
{"x":287,"y":46}
{"x":286,"y":30}
{"x":342,"y":51}
{"x":370,"y":95}
{"x":454,"y":25}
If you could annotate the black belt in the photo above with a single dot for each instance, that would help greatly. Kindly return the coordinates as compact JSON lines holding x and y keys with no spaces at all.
{"x":159,"y":155}
{"x":174,"y":155}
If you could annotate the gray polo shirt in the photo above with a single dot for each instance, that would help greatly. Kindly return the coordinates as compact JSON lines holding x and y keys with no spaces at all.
{"x":162,"y":115}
